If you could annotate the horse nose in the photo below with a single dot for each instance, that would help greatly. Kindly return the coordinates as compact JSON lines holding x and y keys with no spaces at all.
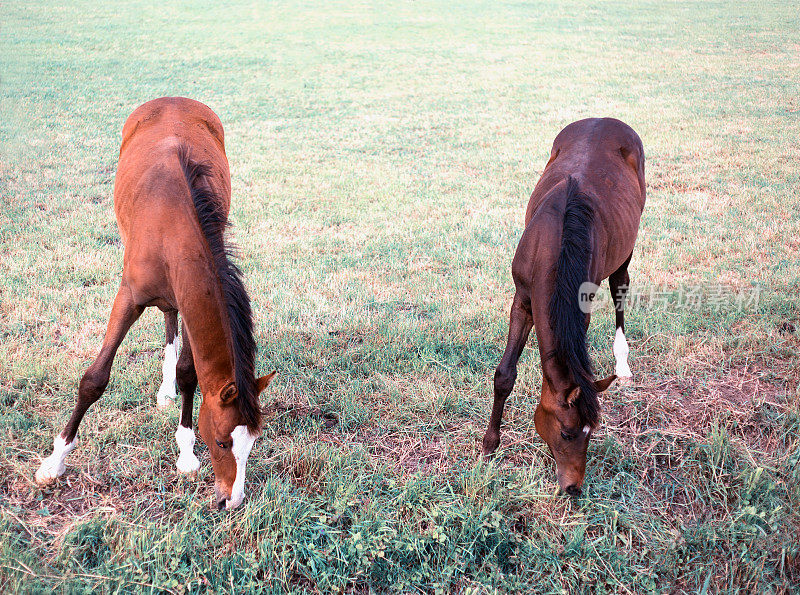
{"x":573,"y":490}
{"x":219,"y":497}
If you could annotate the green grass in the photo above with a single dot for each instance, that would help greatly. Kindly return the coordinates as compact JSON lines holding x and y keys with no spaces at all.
{"x":382,"y":157}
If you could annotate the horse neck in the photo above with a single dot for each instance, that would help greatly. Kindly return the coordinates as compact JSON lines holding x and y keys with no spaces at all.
{"x":552,"y":372}
{"x":204,"y":313}
{"x":546,"y":272}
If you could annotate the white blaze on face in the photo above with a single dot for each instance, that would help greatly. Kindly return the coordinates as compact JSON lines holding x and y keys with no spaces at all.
{"x":586,"y":429}
{"x":621,"y":355}
{"x":242,"y":444}
{"x":167,"y":393}
{"x":53,"y":466}
{"x":187,"y":462}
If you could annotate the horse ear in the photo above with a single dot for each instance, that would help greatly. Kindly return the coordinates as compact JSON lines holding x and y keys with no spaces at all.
{"x":572,"y":396}
{"x":602,"y":385}
{"x":228,"y":393}
{"x":262,"y":382}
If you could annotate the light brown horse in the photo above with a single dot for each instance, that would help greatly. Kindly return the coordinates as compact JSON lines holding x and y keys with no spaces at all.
{"x":171,"y":198}
{"x":580,"y":227}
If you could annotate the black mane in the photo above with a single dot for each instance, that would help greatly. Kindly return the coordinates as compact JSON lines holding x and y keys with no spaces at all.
{"x":566,"y":318}
{"x":213,"y":221}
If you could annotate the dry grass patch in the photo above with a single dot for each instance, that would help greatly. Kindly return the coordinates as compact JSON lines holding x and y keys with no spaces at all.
{"x":688,"y":409}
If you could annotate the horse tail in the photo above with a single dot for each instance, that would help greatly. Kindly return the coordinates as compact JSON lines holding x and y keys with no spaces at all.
{"x":567,"y":320}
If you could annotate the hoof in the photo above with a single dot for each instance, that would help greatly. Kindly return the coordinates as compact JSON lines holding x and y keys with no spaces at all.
{"x":164,"y":402}
{"x":489,"y":448}
{"x":188,"y":465}
{"x":625,"y":380}
{"x":48,"y":472}
{"x":623,"y":371}
{"x":53,"y":466}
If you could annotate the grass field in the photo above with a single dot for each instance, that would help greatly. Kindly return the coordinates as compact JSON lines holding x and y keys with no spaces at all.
{"x":382,"y":157}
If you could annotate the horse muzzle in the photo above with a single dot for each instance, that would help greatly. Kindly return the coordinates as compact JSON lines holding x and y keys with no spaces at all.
{"x":570,"y":484}
{"x":221,"y":497}
{"x":225,"y":499}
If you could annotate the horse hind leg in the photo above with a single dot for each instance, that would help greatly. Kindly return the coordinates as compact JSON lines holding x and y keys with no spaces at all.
{"x":92,"y":385}
{"x":166,"y":393}
{"x":619,"y":282}
{"x":520,"y":324}
{"x":187,"y":462}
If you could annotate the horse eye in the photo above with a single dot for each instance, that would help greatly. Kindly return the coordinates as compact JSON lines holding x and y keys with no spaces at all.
{"x":221,"y":444}
{"x":567,"y":437}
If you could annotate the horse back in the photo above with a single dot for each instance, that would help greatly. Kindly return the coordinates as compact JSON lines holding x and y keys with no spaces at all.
{"x":149,"y":174}
{"x":153,"y":202}
{"x":606,"y":157}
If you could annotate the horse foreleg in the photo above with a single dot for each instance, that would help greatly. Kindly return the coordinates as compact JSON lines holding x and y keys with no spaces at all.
{"x":187,"y":383}
{"x":166,"y":393}
{"x":505,"y":376}
{"x":94,"y":381}
{"x":619,"y":282}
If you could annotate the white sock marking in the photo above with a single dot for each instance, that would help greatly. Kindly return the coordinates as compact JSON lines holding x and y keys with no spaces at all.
{"x":242,"y":444}
{"x":621,"y":355}
{"x":187,"y":462}
{"x":167,"y":393}
{"x":53,"y":466}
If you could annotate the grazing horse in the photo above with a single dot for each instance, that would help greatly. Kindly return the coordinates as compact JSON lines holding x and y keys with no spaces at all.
{"x":580,"y":227}
{"x":171,"y":199}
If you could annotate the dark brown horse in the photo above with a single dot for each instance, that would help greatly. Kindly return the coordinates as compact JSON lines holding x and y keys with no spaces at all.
{"x":171,"y":198}
{"x":580,"y":227}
